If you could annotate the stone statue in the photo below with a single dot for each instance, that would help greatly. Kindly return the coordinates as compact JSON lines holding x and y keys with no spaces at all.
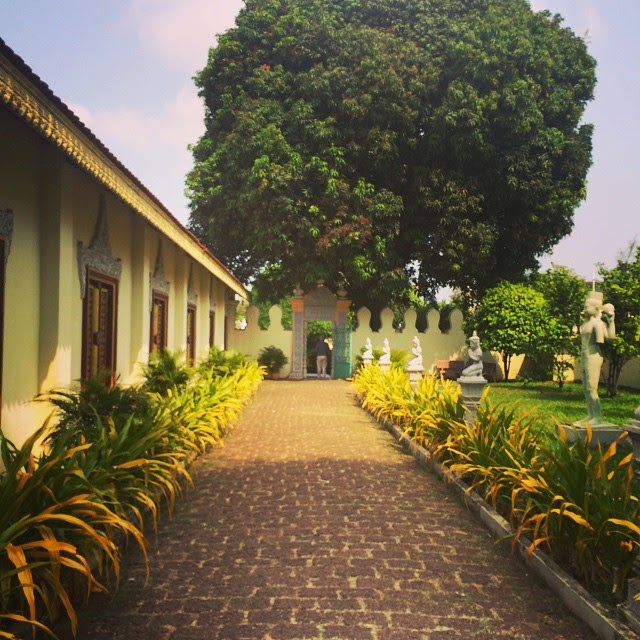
{"x":416,"y":349}
{"x":385,"y":358}
{"x":598,"y":326}
{"x":368,"y":350}
{"x":474,"y":370}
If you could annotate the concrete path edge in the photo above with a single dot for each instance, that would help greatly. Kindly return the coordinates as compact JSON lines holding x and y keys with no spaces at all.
{"x":577,"y":599}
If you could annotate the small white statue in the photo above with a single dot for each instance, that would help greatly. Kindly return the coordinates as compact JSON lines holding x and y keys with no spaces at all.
{"x":368,"y":350}
{"x":385,"y":358}
{"x":474,"y":370}
{"x":416,"y":349}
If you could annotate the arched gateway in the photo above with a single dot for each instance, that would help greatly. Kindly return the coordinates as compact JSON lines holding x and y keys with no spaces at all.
{"x":321,"y":304}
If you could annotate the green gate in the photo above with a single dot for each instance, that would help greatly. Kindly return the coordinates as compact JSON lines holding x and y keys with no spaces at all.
{"x":342,"y":352}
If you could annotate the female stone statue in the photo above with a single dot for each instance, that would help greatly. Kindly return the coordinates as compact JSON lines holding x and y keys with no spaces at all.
{"x":368,"y":350}
{"x":416,"y":349}
{"x":385,"y":358}
{"x":475,"y":355}
{"x":598,"y":326}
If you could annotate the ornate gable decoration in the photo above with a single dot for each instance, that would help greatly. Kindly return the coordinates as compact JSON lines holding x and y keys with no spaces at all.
{"x":212,"y":295}
{"x":98,"y":254}
{"x":6,"y":231}
{"x":157,"y":280}
{"x":319,"y":304}
{"x":192,"y":294}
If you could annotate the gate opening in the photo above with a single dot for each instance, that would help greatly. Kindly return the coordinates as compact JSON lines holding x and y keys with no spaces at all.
{"x":312,"y":315}
{"x":316,"y":331}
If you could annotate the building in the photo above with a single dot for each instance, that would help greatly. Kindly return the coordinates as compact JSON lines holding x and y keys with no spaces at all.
{"x":97,"y":272}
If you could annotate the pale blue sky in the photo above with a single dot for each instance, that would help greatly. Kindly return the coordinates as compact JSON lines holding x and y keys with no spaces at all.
{"x":126,"y":67}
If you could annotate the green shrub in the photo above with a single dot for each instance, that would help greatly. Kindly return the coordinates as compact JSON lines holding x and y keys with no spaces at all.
{"x":581,"y":505}
{"x":54,"y":536}
{"x":501,"y":442}
{"x":165,"y":371}
{"x":272,"y":359}
{"x":80,"y":412}
{"x":221,"y":363}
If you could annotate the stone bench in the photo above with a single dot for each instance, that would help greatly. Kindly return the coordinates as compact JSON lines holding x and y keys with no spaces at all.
{"x":449,"y":369}
{"x":452,"y":369}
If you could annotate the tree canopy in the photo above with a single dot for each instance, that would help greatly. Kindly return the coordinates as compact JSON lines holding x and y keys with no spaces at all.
{"x":565,"y":292}
{"x":387,"y":144}
{"x":514,"y":319}
{"x":621,"y":287}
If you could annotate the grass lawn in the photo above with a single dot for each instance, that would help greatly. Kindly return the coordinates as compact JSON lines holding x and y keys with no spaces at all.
{"x":565,"y":405}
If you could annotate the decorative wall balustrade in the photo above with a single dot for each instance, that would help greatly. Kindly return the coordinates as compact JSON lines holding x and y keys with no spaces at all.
{"x":436,"y":345}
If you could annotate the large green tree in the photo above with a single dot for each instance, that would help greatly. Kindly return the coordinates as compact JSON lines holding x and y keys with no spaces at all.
{"x":378,"y":143}
{"x":565,"y":292}
{"x":514,"y":319}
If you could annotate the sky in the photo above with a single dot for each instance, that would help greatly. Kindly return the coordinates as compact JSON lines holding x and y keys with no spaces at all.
{"x":126,"y":68}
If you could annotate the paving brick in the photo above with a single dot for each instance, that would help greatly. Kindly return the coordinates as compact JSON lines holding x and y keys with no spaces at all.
{"x":312,"y":523}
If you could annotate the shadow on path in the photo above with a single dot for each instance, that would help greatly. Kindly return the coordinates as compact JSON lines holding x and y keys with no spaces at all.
{"x":312,"y":523}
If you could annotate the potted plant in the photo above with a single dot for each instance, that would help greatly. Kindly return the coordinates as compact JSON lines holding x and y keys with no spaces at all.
{"x":272,"y":359}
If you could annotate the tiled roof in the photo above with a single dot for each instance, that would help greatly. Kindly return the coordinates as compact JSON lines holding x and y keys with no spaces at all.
{"x":31,"y":99}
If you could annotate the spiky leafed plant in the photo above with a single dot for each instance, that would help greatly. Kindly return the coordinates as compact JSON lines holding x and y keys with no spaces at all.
{"x":166,"y":370}
{"x":81,"y":411}
{"x":577,"y":501}
{"x":386,"y":394}
{"x":435,"y":406}
{"x":501,"y":442}
{"x":63,"y":514}
{"x":219,"y":362}
{"x":581,"y":504}
{"x":53,"y":540}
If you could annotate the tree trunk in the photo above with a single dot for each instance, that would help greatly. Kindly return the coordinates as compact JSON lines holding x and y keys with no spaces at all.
{"x":616,"y":363}
{"x":506,"y":365}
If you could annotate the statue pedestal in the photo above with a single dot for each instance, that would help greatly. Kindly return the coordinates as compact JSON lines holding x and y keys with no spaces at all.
{"x":385,"y":366}
{"x":367,"y":360}
{"x":472,"y":390}
{"x":633,"y":429}
{"x":602,"y":432}
{"x":415,"y":373}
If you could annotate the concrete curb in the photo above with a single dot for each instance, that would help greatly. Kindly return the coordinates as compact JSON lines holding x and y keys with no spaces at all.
{"x":575,"y":597}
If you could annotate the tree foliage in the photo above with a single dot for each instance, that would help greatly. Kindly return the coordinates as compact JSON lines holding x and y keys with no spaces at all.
{"x":514,"y":319}
{"x":375,"y":143}
{"x":621,"y":287}
{"x":565,"y":293}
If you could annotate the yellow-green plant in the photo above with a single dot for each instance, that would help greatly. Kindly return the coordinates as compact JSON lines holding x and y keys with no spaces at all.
{"x":576,"y":500}
{"x":581,"y":505}
{"x":424,"y":413}
{"x":487,"y":452}
{"x":64,"y":514}
{"x":434,"y":408}
{"x":386,"y":394}
{"x":204,"y":410}
{"x":53,"y":541}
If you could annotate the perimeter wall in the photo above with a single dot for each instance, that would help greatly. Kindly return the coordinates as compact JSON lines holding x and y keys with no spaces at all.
{"x":436,"y":344}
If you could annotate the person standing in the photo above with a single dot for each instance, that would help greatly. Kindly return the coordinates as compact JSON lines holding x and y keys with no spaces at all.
{"x":322,"y":357}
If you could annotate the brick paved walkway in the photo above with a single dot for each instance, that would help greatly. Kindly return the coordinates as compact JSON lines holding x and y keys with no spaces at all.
{"x":312,"y":523}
